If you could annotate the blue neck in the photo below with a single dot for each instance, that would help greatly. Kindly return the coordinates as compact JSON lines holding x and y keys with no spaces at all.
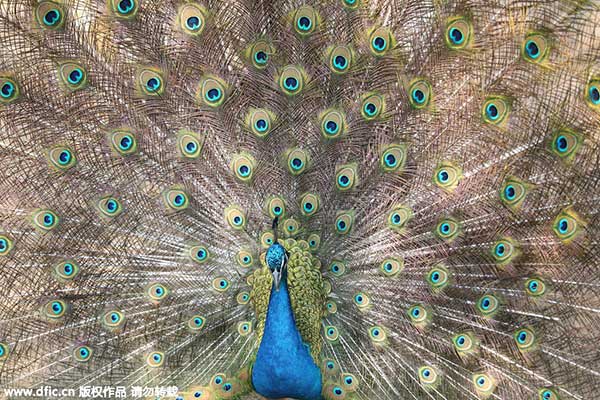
{"x":284,"y":366}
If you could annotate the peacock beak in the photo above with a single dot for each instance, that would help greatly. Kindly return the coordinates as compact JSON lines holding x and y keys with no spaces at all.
{"x":278,"y":272}
{"x":277,"y":277}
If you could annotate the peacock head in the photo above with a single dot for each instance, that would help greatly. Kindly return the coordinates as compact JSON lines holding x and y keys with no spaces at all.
{"x":276,"y":258}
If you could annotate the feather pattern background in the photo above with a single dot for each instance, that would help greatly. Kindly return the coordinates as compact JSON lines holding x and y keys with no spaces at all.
{"x":495,"y":187}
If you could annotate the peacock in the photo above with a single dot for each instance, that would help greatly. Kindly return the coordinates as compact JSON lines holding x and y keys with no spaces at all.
{"x":301,"y":199}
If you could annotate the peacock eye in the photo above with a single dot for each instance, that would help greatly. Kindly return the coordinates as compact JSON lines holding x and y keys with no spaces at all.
{"x":458,"y":33}
{"x":377,"y":334}
{"x":447,"y":229}
{"x":155,"y":359}
{"x":82,"y":353}
{"x":9,"y":90}
{"x":45,"y":220}
{"x":391,"y":267}
{"x":50,"y":15}
{"x":310,"y":203}
{"x":72,"y":75}
{"x":333,"y":123}
{"x":192,"y":19}
{"x":5,"y":245}
{"x":61,"y":158}
{"x":567,"y":225}
{"x":438,"y":277}
{"x":305,"y":20}
{"x":372,"y":106}
{"x":196,"y":323}
{"x":291,"y":80}
{"x":331,"y":333}
{"x":420,"y":93}
{"x":54,"y":309}
{"x":525,"y":339}
{"x":244,"y":328}
{"x":66,"y":270}
{"x":484,"y":384}
{"x":464,"y":342}
{"x":393,"y":158}
{"x":419,"y":315}
{"x":592,"y":93}
{"x":346,"y":177}
{"x":211,"y":91}
{"x":340,"y":59}
{"x":362,"y":301}
{"x":535,"y":48}
{"x":565,"y":144}
{"x":428,"y":376}
{"x":109,"y":207}
{"x":344,"y":222}
{"x":488,"y":305}
{"x":398,"y":217}
{"x":380,"y":41}
{"x":447,"y":176}
{"x":157,"y":292}
{"x":337,"y":267}
{"x":243,"y":166}
{"x":496,"y":110}
{"x":123,"y":142}
{"x":548,"y":394}
{"x":297,"y":161}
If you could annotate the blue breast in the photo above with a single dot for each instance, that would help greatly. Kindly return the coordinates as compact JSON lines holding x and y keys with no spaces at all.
{"x":284,"y":367}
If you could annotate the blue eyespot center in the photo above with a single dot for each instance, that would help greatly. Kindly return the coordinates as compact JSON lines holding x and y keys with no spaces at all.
{"x":304,"y":23}
{"x":418,"y":96}
{"x":390,"y":160}
{"x":126,"y":6}
{"x":435,"y":277}
{"x":153,"y":84}
{"x":222,"y":283}
{"x":227,"y":387}
{"x":370,"y":109}
{"x":126,"y":142}
{"x":563,"y":225}
{"x":68,"y":269}
{"x":244,"y":170}
{"x":348,"y":380}
{"x":594,"y":95}
{"x":83,"y":352}
{"x":379,"y":43}
{"x":359,"y":298}
{"x":57,"y":307}
{"x":179,"y":199}
{"x":509,"y":192}
{"x":416,"y":312}
{"x":291,"y":83}
{"x":344,"y":181}
{"x":7,"y":90}
{"x":261,"y":125}
{"x":388,"y":267}
{"x":297,"y":163}
{"x":213,"y":94}
{"x":445,"y":227}
{"x":396,"y":219}
{"x":340,"y":62}
{"x":426,"y":373}
{"x":111,"y":205}
{"x":338,"y":391}
{"x":485,"y":304}
{"x":533,"y":286}
{"x":456,"y":36}
{"x":64,"y":157}
{"x":492,"y":111}
{"x":532,"y":49}
{"x":261,"y":57}
{"x":308,"y":206}
{"x":500,"y":249}
{"x":331,"y":127}
{"x":197,"y":321}
{"x":443,"y":176}
{"x":52,"y":17}
{"x":75,"y":76}
{"x":218,"y":380}
{"x":277,"y":210}
{"x":191,"y":147}
{"x":461,"y":340}
{"x":48,"y":219}
{"x":522,"y":337}
{"x":562,"y":144}
{"x":193,"y":23}
{"x":237,"y":220}
{"x":547,"y":394}
{"x":3,"y":244}
{"x":481,"y":381}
